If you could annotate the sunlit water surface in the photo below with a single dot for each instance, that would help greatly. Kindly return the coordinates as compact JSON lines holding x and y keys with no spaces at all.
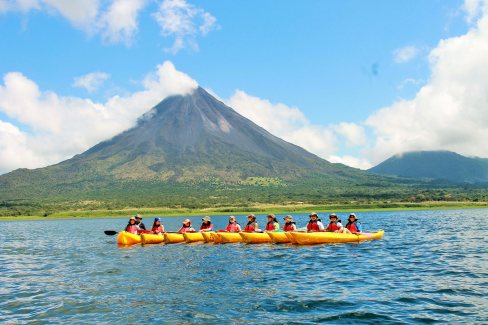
{"x":431,"y":266}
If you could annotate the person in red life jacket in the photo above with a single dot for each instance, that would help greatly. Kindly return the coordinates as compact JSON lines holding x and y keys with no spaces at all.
{"x":186,"y":226}
{"x":131,"y":226}
{"x":207,"y":224}
{"x":272,"y":224}
{"x":233,"y":226}
{"x":353,"y":226}
{"x":289,"y":225}
{"x":157,"y":227}
{"x":315,"y":224}
{"x":251,"y":225}
{"x":333,"y":227}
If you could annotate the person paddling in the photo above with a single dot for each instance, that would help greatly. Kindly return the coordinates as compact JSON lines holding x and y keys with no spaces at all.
{"x":315,"y":224}
{"x":251,"y":225}
{"x":289,"y":225}
{"x":272,"y":224}
{"x":139,"y":223}
{"x":157,"y":227}
{"x":233,"y":226}
{"x":131,"y":226}
{"x":186,"y":226}
{"x":207,"y":225}
{"x":332,"y":227}
{"x":353,"y":226}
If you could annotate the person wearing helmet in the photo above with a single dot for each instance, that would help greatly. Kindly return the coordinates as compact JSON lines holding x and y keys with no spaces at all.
{"x":251,"y":225}
{"x":332,"y":227}
{"x":272,"y":224}
{"x":139,"y":223}
{"x":157,"y":227}
{"x":233,"y":226}
{"x":315,"y":224}
{"x":131,"y":226}
{"x":353,"y":226}
{"x":289,"y":225}
{"x":207,"y":224}
{"x":186,"y":226}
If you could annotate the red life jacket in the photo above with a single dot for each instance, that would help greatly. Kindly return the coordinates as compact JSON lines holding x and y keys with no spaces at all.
{"x":206,"y":227}
{"x":131,"y":228}
{"x":186,"y":229}
{"x":250,"y":227}
{"x":232,"y":227}
{"x":332,"y":226}
{"x":288,"y":226}
{"x":313,"y":226}
{"x":270,"y":226}
{"x":351,"y":226}
{"x":157,"y":230}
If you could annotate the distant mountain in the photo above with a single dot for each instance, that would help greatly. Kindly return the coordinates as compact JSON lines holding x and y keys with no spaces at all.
{"x":187,"y":150}
{"x":438,"y":165}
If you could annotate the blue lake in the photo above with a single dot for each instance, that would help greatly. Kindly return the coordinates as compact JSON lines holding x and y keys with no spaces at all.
{"x":431,"y":266}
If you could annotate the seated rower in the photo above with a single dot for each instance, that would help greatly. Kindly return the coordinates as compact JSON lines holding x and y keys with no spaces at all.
{"x":139,"y":223}
{"x":131,"y":226}
{"x":315,"y":224}
{"x":207,"y":225}
{"x":233,"y":226}
{"x":272,"y":224}
{"x":353,"y":226}
{"x":186,"y":226}
{"x":333,"y":227}
{"x":251,"y":225}
{"x":157,"y":227}
{"x":289,"y":225}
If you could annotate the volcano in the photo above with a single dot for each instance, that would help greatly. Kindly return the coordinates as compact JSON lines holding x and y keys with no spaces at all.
{"x":183,"y":144}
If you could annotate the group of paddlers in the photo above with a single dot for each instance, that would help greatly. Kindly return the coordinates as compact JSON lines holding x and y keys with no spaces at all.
{"x":315,"y":224}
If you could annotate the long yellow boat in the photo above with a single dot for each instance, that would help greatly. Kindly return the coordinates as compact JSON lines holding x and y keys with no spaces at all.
{"x":304,"y":238}
{"x":208,"y":236}
{"x":173,"y":238}
{"x":126,"y":238}
{"x":192,"y":237}
{"x":278,"y":237}
{"x":255,"y":237}
{"x":290,"y":237}
{"x":227,"y":237}
{"x":152,"y":239}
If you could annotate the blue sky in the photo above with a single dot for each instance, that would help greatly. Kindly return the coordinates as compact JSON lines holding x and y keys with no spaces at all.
{"x":335,"y":62}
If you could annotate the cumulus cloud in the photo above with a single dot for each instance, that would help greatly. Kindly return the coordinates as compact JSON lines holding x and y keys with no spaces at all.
{"x":353,"y":133}
{"x":60,"y":126}
{"x":119,"y":23}
{"x":91,"y":81}
{"x":288,"y":123}
{"x":361,"y":163}
{"x":473,"y":9}
{"x":405,"y":54}
{"x":451,"y":111}
{"x":185,"y":22}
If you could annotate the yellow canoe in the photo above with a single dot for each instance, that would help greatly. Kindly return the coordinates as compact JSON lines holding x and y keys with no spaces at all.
{"x":290,"y":237}
{"x":255,"y":237}
{"x":278,"y":237}
{"x":126,"y":238}
{"x":172,"y":238}
{"x":191,"y":237}
{"x":208,"y":236}
{"x":312,"y":238}
{"x":227,"y":237}
{"x":152,"y":239}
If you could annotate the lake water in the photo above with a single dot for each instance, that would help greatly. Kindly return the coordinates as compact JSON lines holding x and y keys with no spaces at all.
{"x":431,"y":266}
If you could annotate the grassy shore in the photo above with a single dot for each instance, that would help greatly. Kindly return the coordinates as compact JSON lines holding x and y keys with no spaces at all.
{"x":256,"y":209}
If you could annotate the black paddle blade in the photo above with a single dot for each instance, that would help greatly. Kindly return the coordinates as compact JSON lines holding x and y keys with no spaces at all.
{"x":110,"y":232}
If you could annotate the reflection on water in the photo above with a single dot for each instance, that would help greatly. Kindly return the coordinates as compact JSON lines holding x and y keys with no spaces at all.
{"x":431,"y":266}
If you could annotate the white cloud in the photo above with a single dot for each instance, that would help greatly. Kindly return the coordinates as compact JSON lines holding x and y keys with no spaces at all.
{"x":351,"y":161}
{"x":91,"y":81}
{"x":184,"y":22}
{"x":288,"y":123}
{"x":353,"y":133}
{"x":120,"y":20}
{"x":405,"y":54}
{"x":63,"y":126}
{"x":473,"y":9}
{"x":451,"y":111}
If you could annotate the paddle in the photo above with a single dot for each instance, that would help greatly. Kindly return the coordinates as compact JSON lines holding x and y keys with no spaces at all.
{"x":110,"y":232}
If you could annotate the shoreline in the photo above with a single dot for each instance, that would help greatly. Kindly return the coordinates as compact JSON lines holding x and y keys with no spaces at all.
{"x":258,"y":209}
